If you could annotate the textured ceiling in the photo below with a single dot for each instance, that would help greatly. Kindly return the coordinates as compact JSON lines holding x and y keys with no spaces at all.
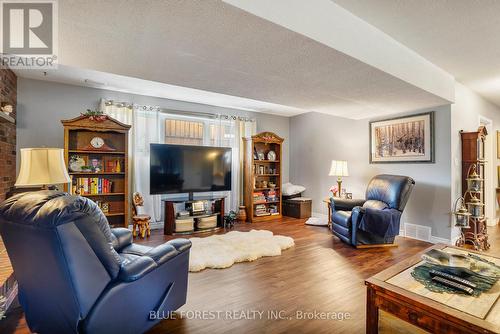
{"x":460,"y":36}
{"x":212,"y":46}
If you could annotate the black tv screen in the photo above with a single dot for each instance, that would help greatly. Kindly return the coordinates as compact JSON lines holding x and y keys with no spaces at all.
{"x":188,"y":169}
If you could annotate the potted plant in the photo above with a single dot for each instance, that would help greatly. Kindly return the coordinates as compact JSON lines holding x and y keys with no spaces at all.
{"x":229,"y":219}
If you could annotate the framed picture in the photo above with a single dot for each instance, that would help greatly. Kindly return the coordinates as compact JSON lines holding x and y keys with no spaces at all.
{"x":498,"y":175}
{"x":403,"y":139}
{"x":498,"y":144}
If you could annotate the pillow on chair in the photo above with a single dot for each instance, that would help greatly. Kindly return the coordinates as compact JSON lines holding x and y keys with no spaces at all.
{"x":291,"y":189}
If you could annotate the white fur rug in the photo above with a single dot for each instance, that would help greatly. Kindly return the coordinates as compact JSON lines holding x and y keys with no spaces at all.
{"x":222,"y":251}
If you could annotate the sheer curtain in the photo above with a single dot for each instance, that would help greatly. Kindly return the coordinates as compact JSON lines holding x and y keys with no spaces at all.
{"x":121,"y":111}
{"x":246,"y":128}
{"x":147,"y":130}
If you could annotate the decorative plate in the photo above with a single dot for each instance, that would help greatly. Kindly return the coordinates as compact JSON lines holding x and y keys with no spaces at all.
{"x":76,"y":163}
{"x":271,"y":156}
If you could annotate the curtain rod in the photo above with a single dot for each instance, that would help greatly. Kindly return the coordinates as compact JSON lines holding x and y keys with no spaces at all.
{"x":180,"y":112}
{"x":206,"y":114}
{"x":188,"y":113}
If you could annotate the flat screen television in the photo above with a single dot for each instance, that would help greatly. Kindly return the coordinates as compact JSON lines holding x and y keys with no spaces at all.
{"x":188,"y":169}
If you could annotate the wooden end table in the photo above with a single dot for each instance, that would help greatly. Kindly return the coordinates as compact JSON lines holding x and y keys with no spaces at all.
{"x":395,"y":292}
{"x":327,"y":201}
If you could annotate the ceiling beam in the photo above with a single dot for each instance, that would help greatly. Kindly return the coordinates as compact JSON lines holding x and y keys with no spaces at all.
{"x":328,"y":23}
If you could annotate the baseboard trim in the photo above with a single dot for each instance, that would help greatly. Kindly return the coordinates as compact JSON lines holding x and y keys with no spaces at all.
{"x":319,"y":215}
{"x":491,"y":222}
{"x":431,"y":238}
{"x":437,"y":240}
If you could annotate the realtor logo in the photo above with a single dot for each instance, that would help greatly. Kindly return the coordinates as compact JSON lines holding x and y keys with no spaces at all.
{"x":29,"y":34}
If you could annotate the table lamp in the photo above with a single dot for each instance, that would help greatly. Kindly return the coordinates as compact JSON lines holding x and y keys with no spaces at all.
{"x":339,"y":169}
{"x":43,"y":167}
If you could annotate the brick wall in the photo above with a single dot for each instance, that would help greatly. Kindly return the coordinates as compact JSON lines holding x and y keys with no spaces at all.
{"x":8,"y":93}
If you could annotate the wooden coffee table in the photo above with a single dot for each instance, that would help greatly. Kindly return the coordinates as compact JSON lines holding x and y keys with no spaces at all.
{"x":395,"y":292}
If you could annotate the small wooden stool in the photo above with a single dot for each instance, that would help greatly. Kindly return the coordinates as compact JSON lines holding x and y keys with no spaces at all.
{"x":141,"y":221}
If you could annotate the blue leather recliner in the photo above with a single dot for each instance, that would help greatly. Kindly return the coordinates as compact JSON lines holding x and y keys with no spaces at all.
{"x":376,"y":219}
{"x":76,"y":275}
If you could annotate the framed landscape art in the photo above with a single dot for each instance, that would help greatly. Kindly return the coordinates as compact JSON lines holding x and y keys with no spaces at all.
{"x":403,"y":139}
{"x":498,"y":146}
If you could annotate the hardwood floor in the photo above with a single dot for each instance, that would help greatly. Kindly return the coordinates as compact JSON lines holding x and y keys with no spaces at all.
{"x":319,"y":274}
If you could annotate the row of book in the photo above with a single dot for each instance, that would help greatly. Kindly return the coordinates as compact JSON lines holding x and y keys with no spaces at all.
{"x":259,"y":197}
{"x":273,"y":209}
{"x":271,"y":195}
{"x":263,"y":210}
{"x":92,"y":186}
{"x":265,"y":196}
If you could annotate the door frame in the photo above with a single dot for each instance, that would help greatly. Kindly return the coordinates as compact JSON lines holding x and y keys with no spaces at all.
{"x":490,"y":172}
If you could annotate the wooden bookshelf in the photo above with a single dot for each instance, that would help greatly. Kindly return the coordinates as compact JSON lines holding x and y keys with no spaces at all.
{"x":105,"y":179}
{"x":258,"y":173}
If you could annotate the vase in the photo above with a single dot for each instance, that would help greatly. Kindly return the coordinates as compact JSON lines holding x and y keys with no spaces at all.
{"x":118,"y":167}
{"x":242,"y":214}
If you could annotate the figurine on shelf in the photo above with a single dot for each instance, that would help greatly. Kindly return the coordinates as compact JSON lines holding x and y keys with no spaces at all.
{"x":105,"y":207}
{"x":118,"y":168}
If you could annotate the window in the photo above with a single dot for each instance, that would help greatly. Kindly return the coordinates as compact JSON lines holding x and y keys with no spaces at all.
{"x":183,"y":132}
{"x":207,"y":132}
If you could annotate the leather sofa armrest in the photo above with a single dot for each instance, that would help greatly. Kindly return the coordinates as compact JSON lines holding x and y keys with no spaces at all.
{"x":181,"y":245}
{"x":162,"y":253}
{"x":357,"y":214}
{"x":136,"y":269}
{"x":345,"y":204}
{"x":122,"y":238}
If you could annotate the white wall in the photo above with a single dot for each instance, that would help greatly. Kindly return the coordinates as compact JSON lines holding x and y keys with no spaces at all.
{"x":41,"y":106}
{"x":317,"y":139}
{"x":466,"y":113}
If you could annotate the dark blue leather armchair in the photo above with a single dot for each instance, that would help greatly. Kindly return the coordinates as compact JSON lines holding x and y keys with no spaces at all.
{"x":76,"y":275}
{"x":375,"y":220}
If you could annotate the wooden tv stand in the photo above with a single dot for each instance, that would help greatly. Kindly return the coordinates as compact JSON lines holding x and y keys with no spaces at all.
{"x":217,"y":205}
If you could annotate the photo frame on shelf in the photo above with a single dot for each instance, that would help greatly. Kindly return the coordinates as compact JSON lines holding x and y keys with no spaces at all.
{"x":407,"y":139}
{"x":498,"y":175}
{"x":95,"y":163}
{"x":498,"y":145}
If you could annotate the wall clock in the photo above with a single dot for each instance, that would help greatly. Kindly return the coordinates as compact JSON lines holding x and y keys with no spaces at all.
{"x":97,"y":142}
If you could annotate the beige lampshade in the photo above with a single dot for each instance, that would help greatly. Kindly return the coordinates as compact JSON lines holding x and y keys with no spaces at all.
{"x":42,"y":166}
{"x":339,"y":168}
